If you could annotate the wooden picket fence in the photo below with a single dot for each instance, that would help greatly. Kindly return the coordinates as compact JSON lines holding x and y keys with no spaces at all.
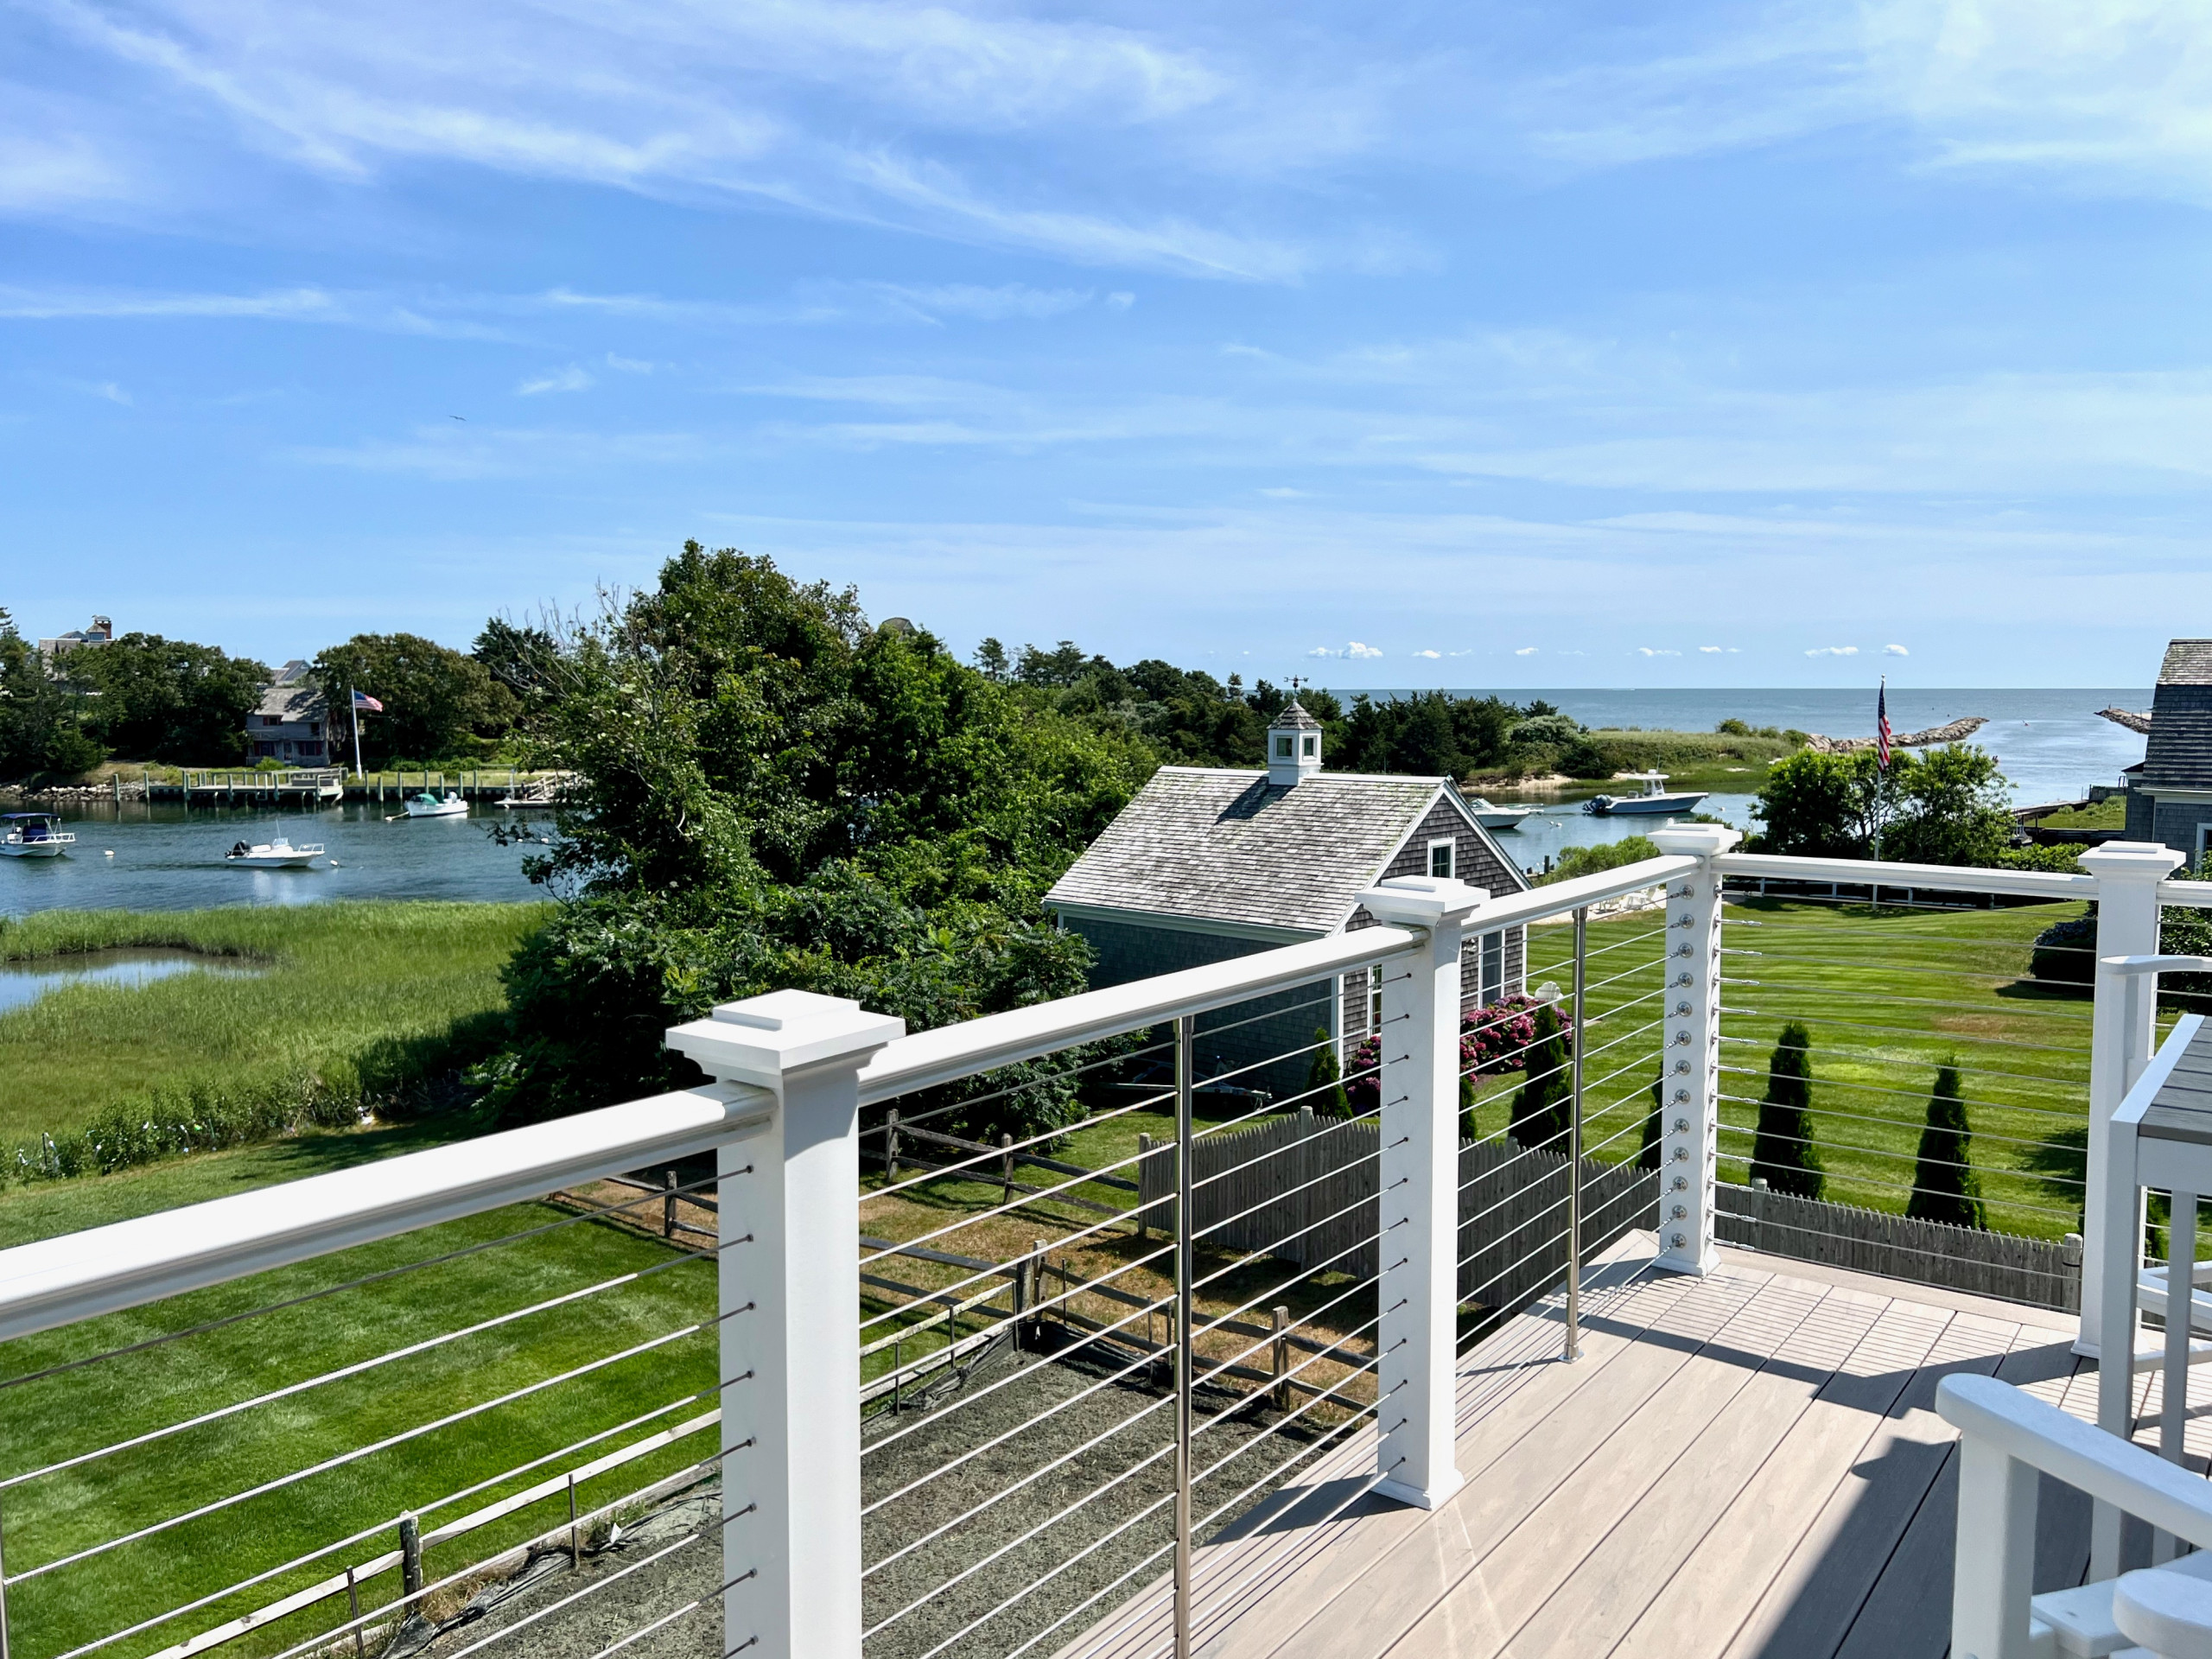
{"x":1302,"y":1189}
{"x":2041,"y":1272}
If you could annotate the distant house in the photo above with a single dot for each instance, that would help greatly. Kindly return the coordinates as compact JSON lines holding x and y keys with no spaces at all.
{"x":2169,"y":794}
{"x":101,"y":633}
{"x":1205,"y":864}
{"x":291,"y":723}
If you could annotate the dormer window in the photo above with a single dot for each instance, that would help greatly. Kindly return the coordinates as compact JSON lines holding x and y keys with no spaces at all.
{"x":1440,"y":853}
{"x":1312,"y":746}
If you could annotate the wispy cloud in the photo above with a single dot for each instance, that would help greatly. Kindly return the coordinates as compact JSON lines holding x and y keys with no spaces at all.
{"x":1526,"y":651}
{"x":1895,"y":651}
{"x":1433,"y":656}
{"x":1833,"y":651}
{"x":1709,"y":651}
{"x":1656,"y":650}
{"x":571,"y":378}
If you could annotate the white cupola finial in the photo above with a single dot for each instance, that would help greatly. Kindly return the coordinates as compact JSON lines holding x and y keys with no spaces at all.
{"x":1294,"y":747}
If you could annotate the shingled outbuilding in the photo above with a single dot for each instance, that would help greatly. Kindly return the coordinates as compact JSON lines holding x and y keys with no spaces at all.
{"x":2170,"y":795}
{"x":1208,"y":863}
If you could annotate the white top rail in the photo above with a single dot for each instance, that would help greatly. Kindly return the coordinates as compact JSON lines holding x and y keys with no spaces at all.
{"x":2104,"y":1466}
{"x":58,"y":1281}
{"x":1954,"y":878}
{"x":929,"y":1058}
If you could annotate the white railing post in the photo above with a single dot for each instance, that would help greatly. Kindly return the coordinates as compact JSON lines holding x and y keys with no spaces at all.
{"x":790,"y":1321}
{"x":1689,"y":1064}
{"x":1993,"y":1569}
{"x":2128,"y":873}
{"x":1417,"y":1338}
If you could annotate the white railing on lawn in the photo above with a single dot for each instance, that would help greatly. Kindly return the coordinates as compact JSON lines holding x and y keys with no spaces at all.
{"x":793,"y":1071}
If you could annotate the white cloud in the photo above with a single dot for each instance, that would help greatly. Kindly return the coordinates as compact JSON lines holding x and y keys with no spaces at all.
{"x":1323,"y":650}
{"x":1433,"y":656}
{"x":628,"y":365}
{"x":1833,"y":651}
{"x":1358,"y":652}
{"x":983,"y":304}
{"x":571,"y":378}
{"x":109,"y":389}
{"x":1122,"y":300}
{"x":1526,"y":651}
{"x":1656,"y":650}
{"x":1709,"y":651}
{"x":1895,"y":651}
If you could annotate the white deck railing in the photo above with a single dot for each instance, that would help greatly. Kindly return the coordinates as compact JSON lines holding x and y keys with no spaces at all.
{"x":793,"y":1073}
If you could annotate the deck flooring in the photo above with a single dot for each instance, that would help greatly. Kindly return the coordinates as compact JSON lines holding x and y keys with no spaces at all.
{"x":1746,"y":1466}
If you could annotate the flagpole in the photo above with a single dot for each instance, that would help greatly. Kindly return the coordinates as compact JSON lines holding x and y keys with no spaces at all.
{"x":353,"y":719}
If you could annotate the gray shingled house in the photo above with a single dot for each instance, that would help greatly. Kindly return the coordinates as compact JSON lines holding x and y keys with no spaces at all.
{"x":2170,"y":795}
{"x":1207,"y":863}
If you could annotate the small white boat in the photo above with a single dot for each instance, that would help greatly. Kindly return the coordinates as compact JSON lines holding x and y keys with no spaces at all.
{"x":427,"y":805}
{"x":1655,"y":801}
{"x":277,"y":854}
{"x":1491,"y":816}
{"x":33,"y":834}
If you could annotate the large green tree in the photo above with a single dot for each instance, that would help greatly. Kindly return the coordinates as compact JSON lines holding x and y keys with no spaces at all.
{"x":40,"y":729}
{"x":439,"y":704}
{"x":771,"y":792}
{"x":1946,"y":806}
{"x":169,"y":700}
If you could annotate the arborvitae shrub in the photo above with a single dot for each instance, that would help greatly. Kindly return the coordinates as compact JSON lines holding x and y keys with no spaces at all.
{"x":1324,"y":1091}
{"x":1782,"y":1155}
{"x":1945,"y":1187}
{"x":1540,"y":1110}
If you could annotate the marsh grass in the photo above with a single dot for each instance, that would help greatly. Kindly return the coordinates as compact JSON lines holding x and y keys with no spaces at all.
{"x":355,"y":1005}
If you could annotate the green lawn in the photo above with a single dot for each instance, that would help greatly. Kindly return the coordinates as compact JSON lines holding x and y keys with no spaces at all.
{"x":1888,"y":997}
{"x":77,"y":1411}
{"x":2111,"y":813}
{"x":349,"y":995}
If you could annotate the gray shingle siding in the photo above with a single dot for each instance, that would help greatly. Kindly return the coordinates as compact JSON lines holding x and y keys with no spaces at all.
{"x":2179,"y":748}
{"x":1249,"y":1034}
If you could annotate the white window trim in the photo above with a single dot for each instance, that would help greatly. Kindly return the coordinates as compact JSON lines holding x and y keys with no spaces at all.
{"x":1451,"y":841}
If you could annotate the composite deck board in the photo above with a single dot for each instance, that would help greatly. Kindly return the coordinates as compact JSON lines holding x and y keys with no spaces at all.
{"x":1907,"y":1612}
{"x":1609,"y":1590}
{"x":1514,"y":1574}
{"x":1753,"y":1540}
{"x":1747,"y":1465}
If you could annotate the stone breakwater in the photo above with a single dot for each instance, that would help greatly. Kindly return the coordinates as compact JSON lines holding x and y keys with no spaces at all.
{"x":1957,"y":732}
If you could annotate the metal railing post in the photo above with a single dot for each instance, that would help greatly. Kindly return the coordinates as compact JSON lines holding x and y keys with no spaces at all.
{"x":1574,"y":1145}
{"x":790,"y":1340}
{"x":1689,"y":1157}
{"x":1417,"y":1259}
{"x":4,"y":1594}
{"x":1181,"y":1334}
{"x":2128,"y":873}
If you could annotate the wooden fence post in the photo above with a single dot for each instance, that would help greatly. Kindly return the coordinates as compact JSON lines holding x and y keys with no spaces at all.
{"x":1279,"y":1360}
{"x":891,"y":1145}
{"x":667,"y":1203}
{"x":1144,"y":1163}
{"x":1006,"y":1166}
{"x":410,"y":1565}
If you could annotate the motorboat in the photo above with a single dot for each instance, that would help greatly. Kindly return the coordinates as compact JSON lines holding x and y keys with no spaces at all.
{"x":33,"y":834}
{"x":1492,"y":817}
{"x":427,"y":805}
{"x":277,"y":854}
{"x":1655,"y":801}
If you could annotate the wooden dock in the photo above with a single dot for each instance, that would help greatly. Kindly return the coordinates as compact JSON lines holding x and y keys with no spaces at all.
{"x":1747,"y":1465}
{"x":322,"y":786}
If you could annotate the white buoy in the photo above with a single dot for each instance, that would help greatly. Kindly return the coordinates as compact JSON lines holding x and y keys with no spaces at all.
{"x":109,"y":853}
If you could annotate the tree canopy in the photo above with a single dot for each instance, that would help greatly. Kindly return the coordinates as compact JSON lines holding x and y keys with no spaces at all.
{"x":166,"y":699}
{"x":771,"y":792}
{"x":439,"y":704}
{"x":40,"y":729}
{"x":1946,"y":806}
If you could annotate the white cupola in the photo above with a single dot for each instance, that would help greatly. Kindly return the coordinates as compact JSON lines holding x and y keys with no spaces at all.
{"x":1294,"y":747}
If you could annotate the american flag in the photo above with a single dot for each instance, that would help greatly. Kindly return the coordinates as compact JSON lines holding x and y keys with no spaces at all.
{"x":1882,"y":726}
{"x":362,"y":699}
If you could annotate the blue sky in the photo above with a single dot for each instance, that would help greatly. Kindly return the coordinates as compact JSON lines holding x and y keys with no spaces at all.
{"x":1473,"y":344}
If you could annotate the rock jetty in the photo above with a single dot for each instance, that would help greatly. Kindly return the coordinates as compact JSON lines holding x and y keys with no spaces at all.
{"x":1957,"y":732}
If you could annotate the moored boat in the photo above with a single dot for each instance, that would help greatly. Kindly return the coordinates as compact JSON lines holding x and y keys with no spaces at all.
{"x":1655,"y":801}
{"x":277,"y":854}
{"x":427,"y":805}
{"x":33,"y":834}
{"x":1493,"y":817}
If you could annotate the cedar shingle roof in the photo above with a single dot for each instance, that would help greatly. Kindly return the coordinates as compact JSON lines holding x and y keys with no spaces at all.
{"x":1224,"y":846}
{"x":1294,"y":717}
{"x":2179,"y":749}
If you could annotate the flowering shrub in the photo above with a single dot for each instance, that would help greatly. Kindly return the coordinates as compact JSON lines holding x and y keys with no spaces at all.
{"x":1493,"y":1037}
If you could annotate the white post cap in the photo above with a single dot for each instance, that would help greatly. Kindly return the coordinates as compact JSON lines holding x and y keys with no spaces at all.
{"x":765,"y":1040}
{"x":1695,"y":839}
{"x":1422,"y":901}
{"x":2132,"y":861}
